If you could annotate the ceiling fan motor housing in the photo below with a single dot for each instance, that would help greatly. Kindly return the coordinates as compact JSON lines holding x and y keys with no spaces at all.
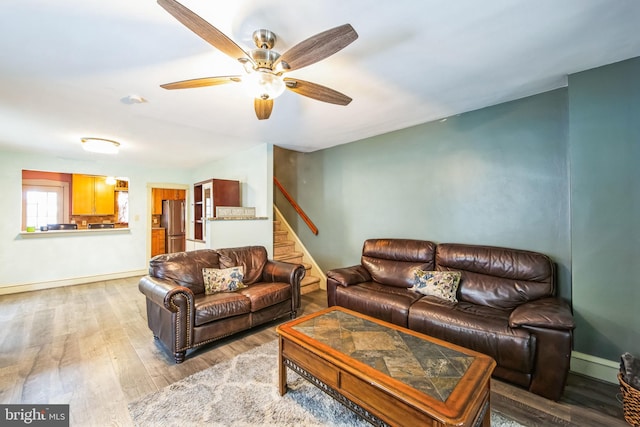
{"x":264,"y":58}
{"x":264,"y":39}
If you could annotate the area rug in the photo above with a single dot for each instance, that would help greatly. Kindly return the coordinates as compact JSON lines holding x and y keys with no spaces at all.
{"x":244,"y":392}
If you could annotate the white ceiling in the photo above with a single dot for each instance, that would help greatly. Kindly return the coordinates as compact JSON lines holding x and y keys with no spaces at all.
{"x":68,"y":66}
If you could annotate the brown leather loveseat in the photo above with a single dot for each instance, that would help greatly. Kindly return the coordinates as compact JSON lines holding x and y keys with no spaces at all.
{"x":182,"y":316}
{"x":506,"y":305}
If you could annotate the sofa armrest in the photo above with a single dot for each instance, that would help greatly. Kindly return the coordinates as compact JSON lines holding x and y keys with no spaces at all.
{"x":550,"y":321}
{"x":552,"y":313}
{"x":343,"y":277}
{"x":286,"y":272}
{"x":278,"y":271}
{"x":347,"y":276}
{"x":163,"y":291}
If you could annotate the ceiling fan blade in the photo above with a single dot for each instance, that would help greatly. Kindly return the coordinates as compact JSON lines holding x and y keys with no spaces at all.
{"x":202,"y":82}
{"x":263,"y":108}
{"x":316,"y":91}
{"x":205,"y":30}
{"x":318,"y":47}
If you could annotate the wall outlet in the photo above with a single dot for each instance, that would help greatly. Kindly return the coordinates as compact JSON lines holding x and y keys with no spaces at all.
{"x":84,"y":222}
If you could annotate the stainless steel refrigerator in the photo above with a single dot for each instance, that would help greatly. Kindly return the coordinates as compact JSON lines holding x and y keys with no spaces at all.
{"x":173,"y":221}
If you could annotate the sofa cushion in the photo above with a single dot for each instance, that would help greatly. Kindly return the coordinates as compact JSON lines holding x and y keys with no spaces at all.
{"x":185,"y":268}
{"x":220,"y":306}
{"x":263,"y":295}
{"x":223,"y":280}
{"x":440,"y":284}
{"x":252,"y":258}
{"x":387,"y":303}
{"x":498,"y":277}
{"x":480,"y":328}
{"x":392,"y":261}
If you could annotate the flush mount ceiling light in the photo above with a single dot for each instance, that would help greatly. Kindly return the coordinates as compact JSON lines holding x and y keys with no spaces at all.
{"x":133,"y":99}
{"x":100,"y":145}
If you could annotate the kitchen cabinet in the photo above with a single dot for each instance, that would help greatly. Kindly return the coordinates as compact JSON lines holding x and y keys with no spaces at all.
{"x":209,"y":194}
{"x":91,"y":195}
{"x":173,"y":194}
{"x":160,"y":194}
{"x":156,"y":199}
{"x":158,"y":242}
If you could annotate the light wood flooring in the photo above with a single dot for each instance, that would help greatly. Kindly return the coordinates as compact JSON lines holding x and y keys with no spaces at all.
{"x":89,"y":346}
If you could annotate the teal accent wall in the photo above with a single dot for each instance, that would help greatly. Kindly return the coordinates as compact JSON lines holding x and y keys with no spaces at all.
{"x":605,"y":208}
{"x":496,"y":176}
{"x":557,"y":172}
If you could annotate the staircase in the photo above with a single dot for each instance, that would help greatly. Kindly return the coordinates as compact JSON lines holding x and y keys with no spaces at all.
{"x":287,"y":248}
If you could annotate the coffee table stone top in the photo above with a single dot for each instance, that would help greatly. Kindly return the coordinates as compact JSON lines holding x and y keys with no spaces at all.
{"x":428,"y":367}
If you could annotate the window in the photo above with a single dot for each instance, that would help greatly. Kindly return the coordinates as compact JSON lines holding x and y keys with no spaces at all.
{"x":122,"y":203}
{"x":42,"y":204}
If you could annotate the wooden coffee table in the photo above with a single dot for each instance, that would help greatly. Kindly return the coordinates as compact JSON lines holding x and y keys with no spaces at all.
{"x":387,"y":374}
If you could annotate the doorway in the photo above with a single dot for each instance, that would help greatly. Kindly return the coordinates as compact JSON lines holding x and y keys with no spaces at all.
{"x":168,"y":220}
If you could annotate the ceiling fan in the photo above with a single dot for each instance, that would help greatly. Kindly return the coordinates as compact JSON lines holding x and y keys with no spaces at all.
{"x":265,"y":67}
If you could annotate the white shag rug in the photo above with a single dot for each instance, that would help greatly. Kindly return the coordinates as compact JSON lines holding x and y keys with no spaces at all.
{"x":243,"y":392}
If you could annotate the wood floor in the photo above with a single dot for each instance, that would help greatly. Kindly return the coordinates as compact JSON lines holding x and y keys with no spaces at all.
{"x":89,"y":346}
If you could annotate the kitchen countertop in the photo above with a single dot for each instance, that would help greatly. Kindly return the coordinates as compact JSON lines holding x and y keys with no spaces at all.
{"x":78,"y":232}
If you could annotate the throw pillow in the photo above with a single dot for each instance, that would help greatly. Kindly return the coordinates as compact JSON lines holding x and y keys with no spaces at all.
{"x":223,"y":280}
{"x":441,"y":284}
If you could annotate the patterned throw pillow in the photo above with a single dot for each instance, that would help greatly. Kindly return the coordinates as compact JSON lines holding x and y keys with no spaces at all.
{"x":441,"y":284}
{"x":223,"y":280}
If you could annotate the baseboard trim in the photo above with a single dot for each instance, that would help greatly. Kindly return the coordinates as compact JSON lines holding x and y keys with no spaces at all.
{"x":15,"y":289}
{"x":595,"y":367}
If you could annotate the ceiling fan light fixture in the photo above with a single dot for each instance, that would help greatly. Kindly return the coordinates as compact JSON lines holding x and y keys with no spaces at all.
{"x":264,"y":66}
{"x":100,"y":145}
{"x":264,"y":84}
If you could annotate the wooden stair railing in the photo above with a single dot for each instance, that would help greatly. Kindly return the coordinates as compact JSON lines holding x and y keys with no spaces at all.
{"x":295,"y":205}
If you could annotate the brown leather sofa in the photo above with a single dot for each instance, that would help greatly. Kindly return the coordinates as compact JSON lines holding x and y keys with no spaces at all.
{"x":506,"y":306}
{"x":182,"y":316}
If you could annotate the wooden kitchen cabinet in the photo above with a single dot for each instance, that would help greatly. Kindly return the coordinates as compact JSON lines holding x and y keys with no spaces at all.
{"x":91,"y":195}
{"x":158,"y":243}
{"x":173,"y":194}
{"x":160,"y":194}
{"x":156,"y":199}
{"x":209,"y":194}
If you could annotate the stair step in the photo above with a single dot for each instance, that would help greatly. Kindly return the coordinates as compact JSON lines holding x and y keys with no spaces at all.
{"x":309,"y":280}
{"x":283,"y":248}
{"x":292,"y":257}
{"x":309,"y":284}
{"x":306,"y":265}
{"x":280,"y":236}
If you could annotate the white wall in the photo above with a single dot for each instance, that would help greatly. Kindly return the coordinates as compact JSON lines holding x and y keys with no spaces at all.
{"x":39,"y":262}
{"x":35,"y":263}
{"x":254,"y":169}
